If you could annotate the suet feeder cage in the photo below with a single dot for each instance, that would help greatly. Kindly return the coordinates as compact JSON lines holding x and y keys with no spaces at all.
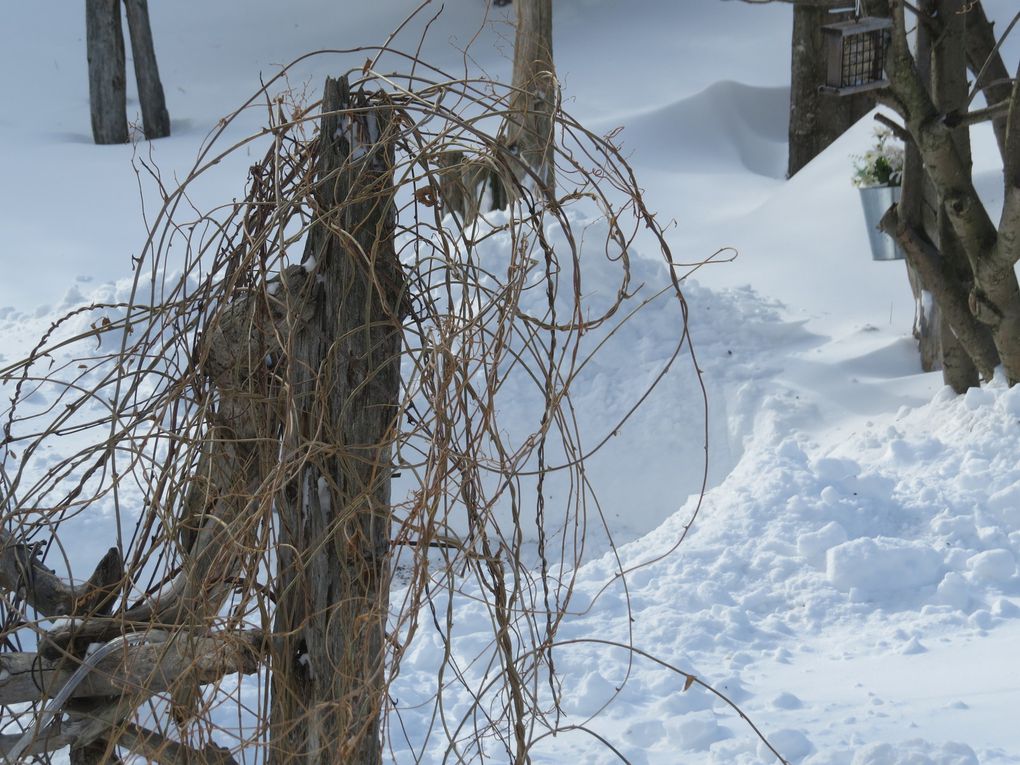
{"x":855,"y":55}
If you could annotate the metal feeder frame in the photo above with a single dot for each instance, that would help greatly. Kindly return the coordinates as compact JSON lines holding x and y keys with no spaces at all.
{"x":855,"y":55}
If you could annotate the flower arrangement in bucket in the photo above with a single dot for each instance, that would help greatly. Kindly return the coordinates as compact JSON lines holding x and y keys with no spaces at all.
{"x":877,"y":176}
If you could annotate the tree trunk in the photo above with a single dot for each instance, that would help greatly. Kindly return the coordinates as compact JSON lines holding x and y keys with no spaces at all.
{"x":949,"y":92}
{"x":155,"y":118}
{"x":991,"y":252}
{"x":918,"y":211}
{"x":982,"y":56}
{"x":107,"y":81}
{"x":816,"y":119}
{"x":328,"y":669}
{"x":533,"y":103}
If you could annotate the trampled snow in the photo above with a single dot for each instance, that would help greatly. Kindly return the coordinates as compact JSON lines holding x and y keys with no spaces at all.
{"x":851,"y":578}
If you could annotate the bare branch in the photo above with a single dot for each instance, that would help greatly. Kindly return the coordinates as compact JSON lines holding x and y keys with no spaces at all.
{"x":985,"y":60}
{"x":49,"y":741}
{"x":994,"y":112}
{"x":898,"y":130}
{"x":23,"y":574}
{"x":946,"y":288}
{"x":158,"y":748}
{"x":149,"y":668}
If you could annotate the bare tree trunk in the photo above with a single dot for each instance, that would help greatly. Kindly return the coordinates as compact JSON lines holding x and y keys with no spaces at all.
{"x":949,"y":90}
{"x":991,"y":251}
{"x":529,"y":124}
{"x":982,"y":56}
{"x":918,"y":211}
{"x":107,"y":81}
{"x":155,"y":118}
{"x":816,"y":119}
{"x":948,"y":293}
{"x":344,"y":369}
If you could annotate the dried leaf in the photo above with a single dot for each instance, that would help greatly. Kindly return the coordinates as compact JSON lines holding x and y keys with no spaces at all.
{"x":427,"y":195}
{"x":688,"y":682}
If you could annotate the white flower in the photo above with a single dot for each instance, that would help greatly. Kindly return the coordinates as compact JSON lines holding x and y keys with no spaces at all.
{"x":881,"y":165}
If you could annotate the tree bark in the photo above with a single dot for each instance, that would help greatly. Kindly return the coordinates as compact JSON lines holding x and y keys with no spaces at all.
{"x":155,"y":118}
{"x":535,"y":97}
{"x":145,"y":669}
{"x":816,"y":119}
{"x":918,"y":210}
{"x":983,"y":57}
{"x":995,"y":298}
{"x":949,"y":91}
{"x":328,"y":681}
{"x":107,"y":79}
{"x":948,"y":293}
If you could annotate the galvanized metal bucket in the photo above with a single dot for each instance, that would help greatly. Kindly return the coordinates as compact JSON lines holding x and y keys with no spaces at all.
{"x":876,"y":200}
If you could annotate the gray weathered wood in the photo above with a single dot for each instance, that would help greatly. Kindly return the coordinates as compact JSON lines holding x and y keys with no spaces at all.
{"x":148,"y":669}
{"x":107,"y":81}
{"x":96,"y":753}
{"x":149,"y":744}
{"x":155,"y":118}
{"x":160,"y":749}
{"x":535,"y":97}
{"x":23,"y":574}
{"x":333,"y":581}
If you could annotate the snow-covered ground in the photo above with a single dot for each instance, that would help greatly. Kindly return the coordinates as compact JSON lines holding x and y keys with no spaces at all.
{"x":851,"y":579}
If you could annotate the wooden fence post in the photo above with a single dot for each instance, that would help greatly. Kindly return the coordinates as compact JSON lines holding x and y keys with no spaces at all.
{"x":155,"y":118}
{"x":328,"y":668}
{"x":107,"y":81}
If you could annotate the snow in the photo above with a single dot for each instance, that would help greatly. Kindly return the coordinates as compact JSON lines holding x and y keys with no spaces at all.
{"x":851,"y":579}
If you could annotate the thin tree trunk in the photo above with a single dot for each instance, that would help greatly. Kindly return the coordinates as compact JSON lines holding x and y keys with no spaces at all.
{"x":333,"y":582}
{"x":918,"y":211}
{"x":949,"y":92}
{"x":529,"y":124}
{"x":982,"y":57}
{"x":107,"y":81}
{"x":155,"y":118}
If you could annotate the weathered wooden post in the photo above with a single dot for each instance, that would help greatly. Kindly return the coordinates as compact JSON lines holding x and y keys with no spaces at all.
{"x":534,"y":100}
{"x":155,"y":118}
{"x":344,"y":374}
{"x":107,"y":81}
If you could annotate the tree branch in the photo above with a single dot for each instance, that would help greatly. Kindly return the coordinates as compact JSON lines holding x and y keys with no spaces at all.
{"x":994,"y":112}
{"x":898,"y":130}
{"x":53,"y":738}
{"x":985,"y":61}
{"x":24,"y":575}
{"x":148,"y":668}
{"x":158,"y":748}
{"x":1009,"y":222}
{"x":947,"y":290}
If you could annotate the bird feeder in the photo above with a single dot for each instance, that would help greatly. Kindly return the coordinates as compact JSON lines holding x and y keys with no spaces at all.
{"x":855,"y":55}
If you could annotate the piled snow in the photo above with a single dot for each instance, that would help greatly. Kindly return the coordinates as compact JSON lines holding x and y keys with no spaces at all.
{"x":735,"y":128}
